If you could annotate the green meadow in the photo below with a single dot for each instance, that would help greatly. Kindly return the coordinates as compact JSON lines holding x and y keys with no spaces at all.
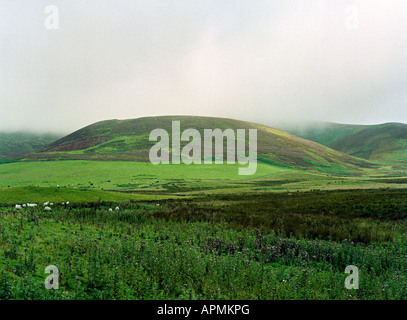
{"x":87,"y":181}
{"x":115,"y":175}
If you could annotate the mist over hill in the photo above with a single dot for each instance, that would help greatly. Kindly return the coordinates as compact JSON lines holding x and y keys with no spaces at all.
{"x":383,"y":142}
{"x":20,"y":143}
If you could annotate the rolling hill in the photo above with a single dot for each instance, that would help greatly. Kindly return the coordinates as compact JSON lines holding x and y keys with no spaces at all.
{"x":129,"y":140}
{"x":17,"y":144}
{"x":383,"y":142}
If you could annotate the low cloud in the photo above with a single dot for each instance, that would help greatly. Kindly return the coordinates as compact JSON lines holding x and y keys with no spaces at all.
{"x":268,"y":61}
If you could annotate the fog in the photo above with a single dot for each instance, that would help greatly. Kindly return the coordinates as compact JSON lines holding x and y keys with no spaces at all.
{"x":263,"y":61}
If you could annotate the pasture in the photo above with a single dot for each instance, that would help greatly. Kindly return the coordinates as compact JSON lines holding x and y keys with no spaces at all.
{"x":88,"y":181}
{"x":114,"y":175}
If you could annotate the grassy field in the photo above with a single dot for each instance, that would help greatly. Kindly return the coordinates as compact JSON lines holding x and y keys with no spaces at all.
{"x":113,"y":175}
{"x":59,"y":195}
{"x":84,"y":181}
{"x":221,"y":247}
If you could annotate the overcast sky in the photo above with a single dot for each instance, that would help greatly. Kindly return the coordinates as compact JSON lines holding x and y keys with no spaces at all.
{"x":262,"y":61}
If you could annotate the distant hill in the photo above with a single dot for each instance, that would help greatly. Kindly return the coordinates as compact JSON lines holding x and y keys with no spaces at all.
{"x":384,"y":142}
{"x":129,"y":140}
{"x":20,"y":143}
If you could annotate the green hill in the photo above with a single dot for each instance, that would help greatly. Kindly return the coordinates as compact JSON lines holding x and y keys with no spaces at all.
{"x":383,"y":142}
{"x":324,"y":133}
{"x":129,"y":140}
{"x":17,"y":144}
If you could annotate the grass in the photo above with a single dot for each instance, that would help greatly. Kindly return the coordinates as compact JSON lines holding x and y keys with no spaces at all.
{"x":59,"y":195}
{"x":206,"y":249}
{"x":326,"y":133}
{"x":328,"y":215}
{"x":113,"y":175}
{"x":385,"y":142}
{"x":90,"y":180}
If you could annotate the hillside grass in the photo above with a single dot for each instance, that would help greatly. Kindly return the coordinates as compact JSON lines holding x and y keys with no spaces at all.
{"x":114,"y":175}
{"x":326,"y":133}
{"x":384,"y":142}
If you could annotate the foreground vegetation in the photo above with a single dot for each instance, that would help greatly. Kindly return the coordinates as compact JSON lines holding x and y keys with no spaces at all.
{"x":247,"y":246}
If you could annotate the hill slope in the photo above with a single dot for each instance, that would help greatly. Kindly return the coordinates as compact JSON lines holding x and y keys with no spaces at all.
{"x":324,"y":133}
{"x":385,"y":142}
{"x":129,"y":140}
{"x":20,"y":143}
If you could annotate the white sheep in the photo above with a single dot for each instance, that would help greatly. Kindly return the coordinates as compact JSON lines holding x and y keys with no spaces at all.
{"x":46,"y":203}
{"x":117,"y":208}
{"x":110,"y":210}
{"x":51,"y":204}
{"x":31,"y":205}
{"x":18,"y":207}
{"x":67,"y":202}
{"x":24,"y":205}
{"x":47,"y":209}
{"x":63,"y":203}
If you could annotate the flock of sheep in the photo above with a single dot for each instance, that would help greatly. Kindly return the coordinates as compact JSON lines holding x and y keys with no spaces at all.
{"x":47,"y":206}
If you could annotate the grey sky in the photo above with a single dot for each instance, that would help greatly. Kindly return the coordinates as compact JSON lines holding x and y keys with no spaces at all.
{"x":263,"y":61}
